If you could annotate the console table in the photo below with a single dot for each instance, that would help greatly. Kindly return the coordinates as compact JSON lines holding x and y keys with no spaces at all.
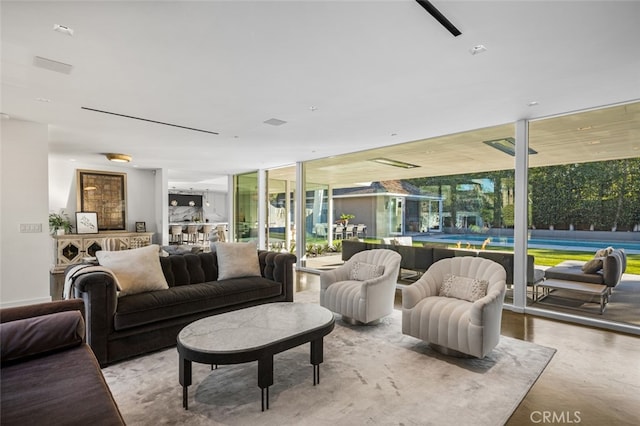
{"x":71,"y":249}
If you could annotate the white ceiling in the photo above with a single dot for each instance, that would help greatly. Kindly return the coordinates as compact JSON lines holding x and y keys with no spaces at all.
{"x":377,"y":73}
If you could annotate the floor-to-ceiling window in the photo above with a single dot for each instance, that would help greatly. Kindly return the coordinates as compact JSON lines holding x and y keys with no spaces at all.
{"x":280,"y":209}
{"x":246,"y":207}
{"x":584,"y":188}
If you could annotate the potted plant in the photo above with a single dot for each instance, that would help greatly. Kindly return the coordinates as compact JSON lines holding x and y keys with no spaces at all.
{"x":59,"y":223}
{"x":345,"y":217}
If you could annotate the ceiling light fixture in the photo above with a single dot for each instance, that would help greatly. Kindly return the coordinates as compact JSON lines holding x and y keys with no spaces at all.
{"x":506,"y":145}
{"x":532,"y":103}
{"x":118,"y":158}
{"x":394,"y":163}
{"x":274,"y":122}
{"x":477,"y":49}
{"x":63,"y":30}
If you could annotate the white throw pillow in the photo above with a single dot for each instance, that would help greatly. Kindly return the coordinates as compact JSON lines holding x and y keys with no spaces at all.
{"x":362,"y":271}
{"x":138,"y":270}
{"x":237,"y":260}
{"x":464,"y":288}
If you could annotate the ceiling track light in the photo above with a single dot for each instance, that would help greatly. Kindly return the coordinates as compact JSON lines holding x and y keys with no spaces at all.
{"x":118,"y":158}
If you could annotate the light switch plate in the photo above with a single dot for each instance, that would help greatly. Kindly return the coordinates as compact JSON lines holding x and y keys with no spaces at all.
{"x":30,"y":228}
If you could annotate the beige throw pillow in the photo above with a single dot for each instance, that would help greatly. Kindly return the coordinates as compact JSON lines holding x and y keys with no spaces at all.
{"x":362,"y":271}
{"x":237,"y":260}
{"x":465,"y":288}
{"x":593,"y":266}
{"x":137,"y":270}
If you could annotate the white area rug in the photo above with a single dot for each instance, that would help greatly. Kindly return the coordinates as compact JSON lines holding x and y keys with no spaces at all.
{"x":370,"y":375}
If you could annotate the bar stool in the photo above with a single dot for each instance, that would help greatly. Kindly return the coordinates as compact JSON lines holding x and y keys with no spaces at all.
{"x":222,"y":233}
{"x":191,"y":235}
{"x":175,"y":234}
{"x":206,"y":232}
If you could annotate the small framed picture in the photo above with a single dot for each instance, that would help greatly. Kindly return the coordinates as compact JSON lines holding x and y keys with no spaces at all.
{"x":87,"y":222}
{"x":141,"y":227}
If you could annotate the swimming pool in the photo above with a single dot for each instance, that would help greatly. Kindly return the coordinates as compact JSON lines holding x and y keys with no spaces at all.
{"x":475,"y":240}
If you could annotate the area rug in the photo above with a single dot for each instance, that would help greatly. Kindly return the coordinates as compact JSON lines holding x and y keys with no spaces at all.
{"x":370,"y":375}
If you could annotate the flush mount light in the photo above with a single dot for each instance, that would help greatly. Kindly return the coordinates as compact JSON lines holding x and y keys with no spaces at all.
{"x":274,"y":122}
{"x":63,"y":30}
{"x":477,"y":49}
{"x":506,"y":145}
{"x":394,"y":163}
{"x":119,"y":158}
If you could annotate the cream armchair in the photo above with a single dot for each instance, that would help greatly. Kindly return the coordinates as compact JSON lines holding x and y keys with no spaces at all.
{"x":363,"y":289}
{"x":449,"y":308}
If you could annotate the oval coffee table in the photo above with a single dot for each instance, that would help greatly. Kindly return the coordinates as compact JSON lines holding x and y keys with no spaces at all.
{"x":254,"y":334}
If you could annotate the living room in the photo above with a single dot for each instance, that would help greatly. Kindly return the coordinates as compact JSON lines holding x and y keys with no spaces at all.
{"x":37,"y":146}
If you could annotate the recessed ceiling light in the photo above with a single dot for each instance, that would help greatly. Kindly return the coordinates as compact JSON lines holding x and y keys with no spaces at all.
{"x":63,"y":29}
{"x":312,"y":108}
{"x":532,"y":103}
{"x":593,"y":142}
{"x":585,"y":128}
{"x":477,"y":49}
{"x":45,"y":100}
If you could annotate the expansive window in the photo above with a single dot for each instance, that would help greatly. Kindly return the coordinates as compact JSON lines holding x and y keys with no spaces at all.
{"x":246,"y":207}
{"x":280,"y":209}
{"x":468,"y":191}
{"x":584,"y":189}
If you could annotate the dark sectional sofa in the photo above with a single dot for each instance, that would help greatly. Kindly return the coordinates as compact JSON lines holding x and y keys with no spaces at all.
{"x":419,"y":259}
{"x":49,"y":374}
{"x":126,"y":326}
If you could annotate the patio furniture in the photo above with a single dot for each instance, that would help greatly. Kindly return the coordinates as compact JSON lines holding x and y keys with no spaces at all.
{"x":547,"y":287}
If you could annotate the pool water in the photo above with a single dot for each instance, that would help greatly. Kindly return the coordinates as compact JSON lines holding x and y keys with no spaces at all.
{"x":476,"y":241}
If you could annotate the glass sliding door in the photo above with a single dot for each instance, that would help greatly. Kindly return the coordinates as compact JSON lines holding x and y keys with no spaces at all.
{"x":584,"y":184}
{"x":280,"y":209}
{"x":245,"y":221}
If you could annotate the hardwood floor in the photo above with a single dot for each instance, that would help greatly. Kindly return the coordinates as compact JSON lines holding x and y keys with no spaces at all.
{"x":593,"y":379}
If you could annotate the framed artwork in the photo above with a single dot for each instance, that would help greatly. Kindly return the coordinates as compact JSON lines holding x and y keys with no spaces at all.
{"x":141,"y":227}
{"x":87,"y":222}
{"x":104,"y":193}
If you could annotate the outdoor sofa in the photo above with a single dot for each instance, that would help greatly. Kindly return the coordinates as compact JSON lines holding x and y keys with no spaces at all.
{"x":606,"y":270}
{"x":419,"y":259}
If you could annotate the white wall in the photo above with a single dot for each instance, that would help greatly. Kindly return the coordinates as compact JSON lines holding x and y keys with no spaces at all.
{"x":142,"y":198}
{"x":25,"y":258}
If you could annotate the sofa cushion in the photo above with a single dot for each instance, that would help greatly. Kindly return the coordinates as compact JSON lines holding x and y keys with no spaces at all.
{"x":150,"y":307}
{"x":137,"y":270}
{"x":65,"y":387}
{"x":464,"y":288}
{"x":573,"y":273}
{"x":593,"y":265}
{"x":237,"y":260}
{"x":39,"y":335}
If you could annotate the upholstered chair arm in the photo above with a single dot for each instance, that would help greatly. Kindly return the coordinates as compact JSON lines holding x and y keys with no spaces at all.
{"x":335,"y":275}
{"x":426,"y":286}
{"x":488,"y":309}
